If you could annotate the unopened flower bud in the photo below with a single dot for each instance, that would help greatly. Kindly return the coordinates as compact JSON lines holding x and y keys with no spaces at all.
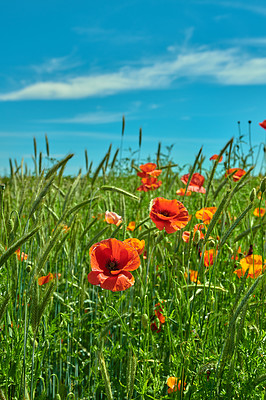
{"x":144,"y":320}
{"x":263,"y":185}
{"x":211,"y":242}
{"x":196,"y":238}
{"x":28,"y":269}
{"x":252,"y":195}
{"x":9,"y":226}
{"x":230,"y":250}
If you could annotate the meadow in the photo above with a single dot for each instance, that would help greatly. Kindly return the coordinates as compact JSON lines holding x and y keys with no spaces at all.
{"x":86,"y":312}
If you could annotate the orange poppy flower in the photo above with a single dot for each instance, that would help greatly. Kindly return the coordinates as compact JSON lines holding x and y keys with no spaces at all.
{"x":254,"y":263}
{"x":206,"y":214}
{"x":237,"y":175}
{"x":158,"y":311}
{"x":111,"y":261}
{"x":215,"y":156}
{"x":131,"y":226}
{"x":193,"y":276}
{"x":263,"y":124}
{"x":113,"y":218}
{"x":169,"y":214}
{"x":196,"y":182}
{"x":186,"y":236}
{"x":197,"y":227}
{"x":45,"y":279}
{"x":136,"y":243}
{"x":209,"y":257}
{"x":181,"y":192}
{"x":259,"y":212}
{"x":149,"y":183}
{"x":21,"y":256}
{"x":148,"y":170}
{"x":174,"y":383}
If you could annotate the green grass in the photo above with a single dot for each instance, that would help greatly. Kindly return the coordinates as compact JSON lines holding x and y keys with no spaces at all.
{"x":69,"y":339}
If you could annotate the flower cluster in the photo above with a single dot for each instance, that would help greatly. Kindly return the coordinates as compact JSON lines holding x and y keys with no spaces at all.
{"x":149,"y":175}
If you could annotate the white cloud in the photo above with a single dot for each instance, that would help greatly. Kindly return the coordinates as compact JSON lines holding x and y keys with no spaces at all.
{"x":55,"y":64}
{"x":249,"y":41}
{"x":225,"y":67}
{"x":98,"y":117}
{"x":261,"y":10}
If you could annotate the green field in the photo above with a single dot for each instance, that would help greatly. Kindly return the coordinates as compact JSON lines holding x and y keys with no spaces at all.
{"x":178,"y":310}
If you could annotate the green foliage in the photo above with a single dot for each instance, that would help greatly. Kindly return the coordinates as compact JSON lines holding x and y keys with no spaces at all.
{"x":70,"y":339}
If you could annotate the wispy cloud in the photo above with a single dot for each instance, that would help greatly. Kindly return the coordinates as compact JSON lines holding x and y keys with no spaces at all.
{"x":225,"y":67}
{"x":55,"y":64}
{"x":96,"y":34}
{"x":96,"y":118}
{"x":249,"y":41}
{"x":256,"y":9}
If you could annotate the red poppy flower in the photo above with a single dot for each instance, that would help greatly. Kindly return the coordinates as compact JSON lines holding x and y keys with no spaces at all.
{"x":215,"y":156}
{"x":263,"y":124}
{"x":196,"y":182}
{"x":237,"y":175}
{"x":148,"y":170}
{"x":149,"y":184}
{"x":137,"y":244}
{"x":158,"y":311}
{"x":111,"y":261}
{"x":169,"y":214}
{"x":181,"y":192}
{"x":45,"y":279}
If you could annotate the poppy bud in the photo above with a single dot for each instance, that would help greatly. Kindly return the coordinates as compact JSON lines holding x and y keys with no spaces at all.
{"x":230,"y":250}
{"x":263,"y":185}
{"x":144,"y":320}
{"x":252,"y":195}
{"x":9,"y":226}
{"x":196,"y":238}
{"x":232,"y":287}
{"x":28,"y":269}
{"x":211,"y":242}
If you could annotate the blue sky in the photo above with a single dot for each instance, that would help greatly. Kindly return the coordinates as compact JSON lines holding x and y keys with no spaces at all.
{"x":184,"y":71}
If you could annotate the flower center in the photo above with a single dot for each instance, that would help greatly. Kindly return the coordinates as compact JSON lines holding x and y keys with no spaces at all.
{"x":112,"y":265}
{"x":165,"y":213}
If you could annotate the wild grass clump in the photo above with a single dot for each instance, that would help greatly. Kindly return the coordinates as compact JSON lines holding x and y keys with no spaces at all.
{"x":192,"y":326}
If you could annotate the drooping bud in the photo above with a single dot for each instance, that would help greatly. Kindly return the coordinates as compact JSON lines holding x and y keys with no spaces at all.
{"x":263,"y":185}
{"x":196,"y":238}
{"x":252,"y":195}
{"x":9,"y":225}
